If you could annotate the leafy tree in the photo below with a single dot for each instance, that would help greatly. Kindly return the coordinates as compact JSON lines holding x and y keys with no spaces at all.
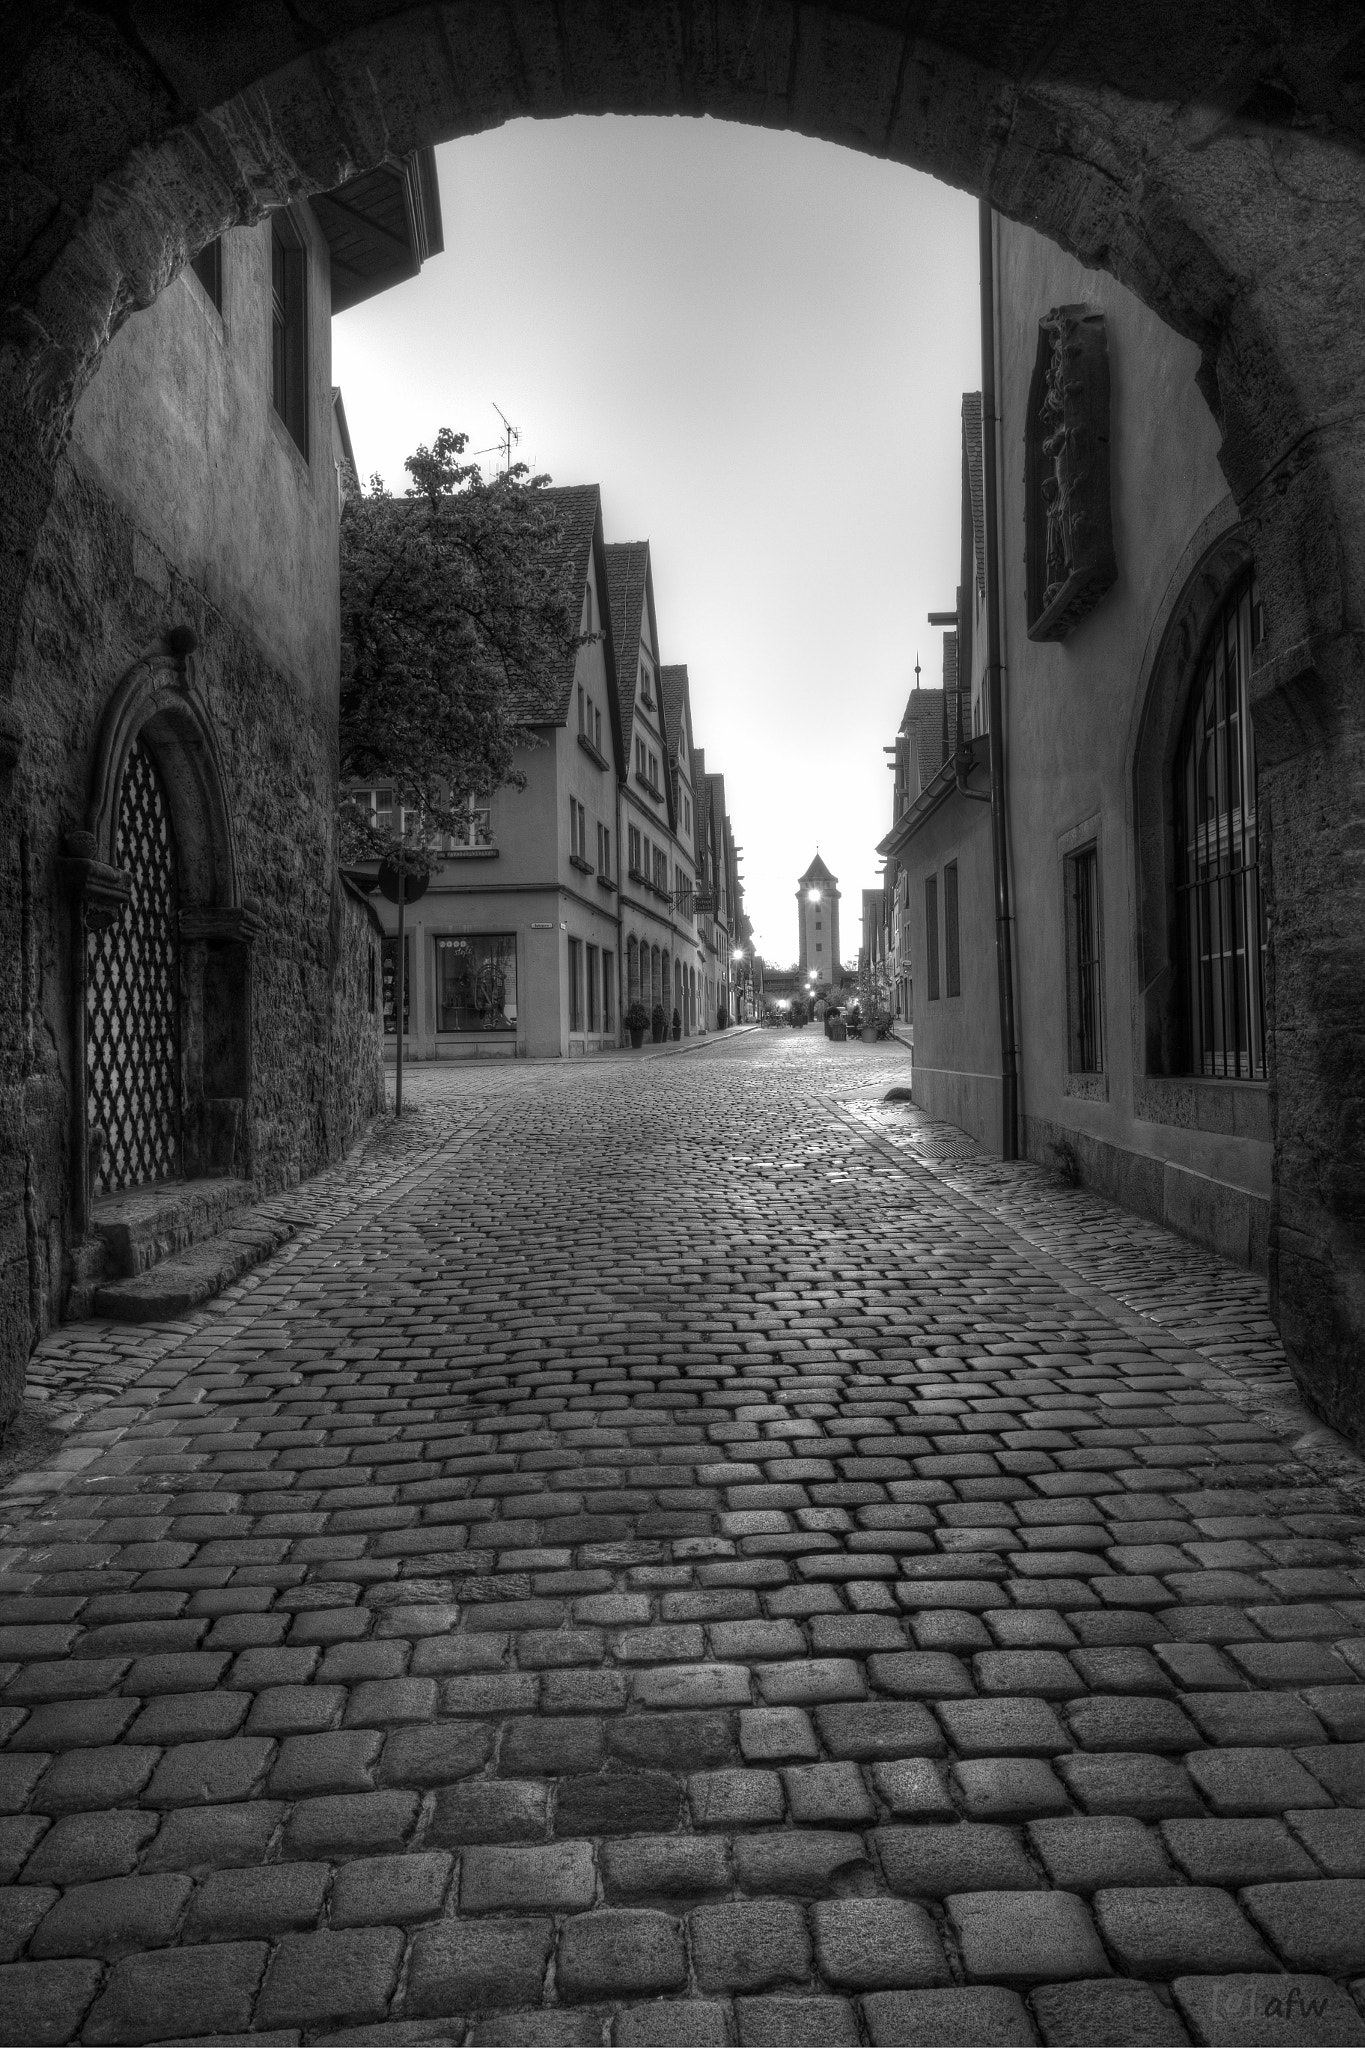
{"x":457,"y":608}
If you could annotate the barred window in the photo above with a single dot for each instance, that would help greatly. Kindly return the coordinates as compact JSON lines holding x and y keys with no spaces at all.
{"x":1222,"y":927}
{"x":1085,"y":1035}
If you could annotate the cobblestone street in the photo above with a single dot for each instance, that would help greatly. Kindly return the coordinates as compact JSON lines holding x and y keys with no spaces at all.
{"x":681,"y":1550}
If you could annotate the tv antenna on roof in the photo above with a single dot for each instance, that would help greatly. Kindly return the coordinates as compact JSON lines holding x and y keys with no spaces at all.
{"x":510,"y":439}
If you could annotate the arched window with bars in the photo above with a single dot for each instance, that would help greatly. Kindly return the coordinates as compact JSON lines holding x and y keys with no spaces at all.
{"x":1221,"y":914}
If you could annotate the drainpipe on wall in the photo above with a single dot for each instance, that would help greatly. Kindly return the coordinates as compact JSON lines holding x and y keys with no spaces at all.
{"x":1004,"y":923}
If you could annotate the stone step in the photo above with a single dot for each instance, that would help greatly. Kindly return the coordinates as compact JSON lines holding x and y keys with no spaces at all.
{"x":188,"y":1278}
{"x":139,"y":1227}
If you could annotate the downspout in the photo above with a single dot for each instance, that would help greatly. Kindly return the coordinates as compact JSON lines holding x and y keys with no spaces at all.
{"x":1004,"y":932}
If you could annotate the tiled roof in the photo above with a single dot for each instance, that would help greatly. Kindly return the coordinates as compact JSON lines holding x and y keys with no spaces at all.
{"x":546,"y":700}
{"x":627,"y":585}
{"x":673,"y":689}
{"x":923,"y":723}
{"x":715,"y":785}
{"x":950,"y":688}
{"x":971,"y":455}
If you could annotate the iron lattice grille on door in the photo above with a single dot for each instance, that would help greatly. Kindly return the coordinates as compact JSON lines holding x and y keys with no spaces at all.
{"x":132,"y":1004}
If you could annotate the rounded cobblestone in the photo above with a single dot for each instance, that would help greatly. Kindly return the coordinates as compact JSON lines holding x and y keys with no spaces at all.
{"x":685,"y":1514}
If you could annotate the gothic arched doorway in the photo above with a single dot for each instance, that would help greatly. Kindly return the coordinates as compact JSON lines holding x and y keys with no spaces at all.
{"x":132,"y":997}
{"x":163,"y":943}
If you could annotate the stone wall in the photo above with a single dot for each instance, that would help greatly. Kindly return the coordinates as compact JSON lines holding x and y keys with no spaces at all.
{"x":101,"y":598}
{"x":354,"y":1091}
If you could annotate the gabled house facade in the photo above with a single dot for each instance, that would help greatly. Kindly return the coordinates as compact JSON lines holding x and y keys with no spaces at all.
{"x":691,"y":954}
{"x":514,"y":950}
{"x":657,"y":876}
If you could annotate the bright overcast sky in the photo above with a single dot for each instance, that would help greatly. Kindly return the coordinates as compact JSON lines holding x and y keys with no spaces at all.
{"x":757,"y":346}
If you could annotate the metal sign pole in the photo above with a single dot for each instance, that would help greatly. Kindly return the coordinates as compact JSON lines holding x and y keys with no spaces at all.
{"x":396,"y":885}
{"x":401,"y":995}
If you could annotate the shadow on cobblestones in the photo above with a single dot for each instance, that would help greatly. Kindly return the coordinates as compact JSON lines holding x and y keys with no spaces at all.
{"x":686,"y":1552}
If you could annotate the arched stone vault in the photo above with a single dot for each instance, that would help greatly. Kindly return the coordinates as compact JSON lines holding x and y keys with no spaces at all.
{"x":1211,"y":158}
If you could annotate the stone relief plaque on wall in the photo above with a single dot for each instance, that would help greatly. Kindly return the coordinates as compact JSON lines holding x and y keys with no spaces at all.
{"x":1068,"y":539}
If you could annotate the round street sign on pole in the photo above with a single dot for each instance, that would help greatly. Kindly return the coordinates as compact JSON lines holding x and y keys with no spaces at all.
{"x":414,"y":881}
{"x":402,"y":887}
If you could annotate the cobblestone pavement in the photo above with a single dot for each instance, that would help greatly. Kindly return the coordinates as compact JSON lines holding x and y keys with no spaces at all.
{"x":687,"y":1552}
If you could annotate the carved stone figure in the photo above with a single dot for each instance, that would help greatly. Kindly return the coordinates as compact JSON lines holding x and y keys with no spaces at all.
{"x":1069,"y":546}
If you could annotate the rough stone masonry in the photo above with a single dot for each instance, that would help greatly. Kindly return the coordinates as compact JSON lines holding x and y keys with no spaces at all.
{"x":678,"y":1550}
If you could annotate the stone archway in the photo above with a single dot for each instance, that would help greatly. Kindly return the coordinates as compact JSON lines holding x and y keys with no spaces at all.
{"x":1214,"y":167}
{"x":158,"y":778}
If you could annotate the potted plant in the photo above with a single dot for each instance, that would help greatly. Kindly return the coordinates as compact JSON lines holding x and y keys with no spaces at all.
{"x":677,"y":1025}
{"x":657,"y":1024}
{"x":637,"y":1019}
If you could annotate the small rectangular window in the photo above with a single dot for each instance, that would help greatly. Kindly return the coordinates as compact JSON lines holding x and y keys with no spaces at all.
{"x":475,"y":824}
{"x":288,"y":332}
{"x":1084,"y":994}
{"x":952,"y":961}
{"x":593,"y":987}
{"x":931,"y":937}
{"x":575,"y":985}
{"x":208,"y":268}
{"x":633,"y":849}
